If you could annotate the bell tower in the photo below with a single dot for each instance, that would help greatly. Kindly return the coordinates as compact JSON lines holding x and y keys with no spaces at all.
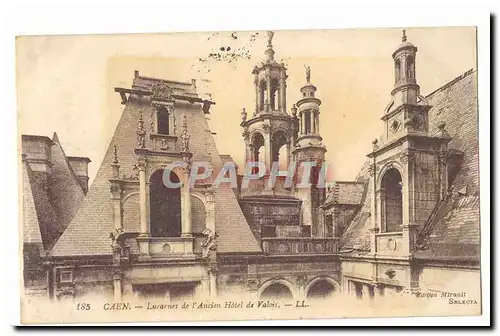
{"x":309,"y":151}
{"x":270,"y":127}
{"x":409,"y":163}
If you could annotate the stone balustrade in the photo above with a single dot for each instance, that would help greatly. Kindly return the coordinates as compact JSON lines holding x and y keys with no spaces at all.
{"x":299,"y":245}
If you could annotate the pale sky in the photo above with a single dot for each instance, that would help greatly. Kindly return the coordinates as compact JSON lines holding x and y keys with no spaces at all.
{"x":66,"y":83}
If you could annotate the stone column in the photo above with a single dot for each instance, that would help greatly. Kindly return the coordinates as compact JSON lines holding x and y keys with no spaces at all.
{"x":313,"y":122}
{"x":409,"y":224}
{"x":302,"y":122}
{"x":267,"y":147}
{"x":117,"y":286}
{"x":117,"y":208}
{"x":257,"y":94}
{"x":212,"y":274}
{"x":144,"y":231}
{"x":288,"y":153}
{"x":366,"y":291}
{"x":283,"y":90}
{"x":373,"y":209}
{"x":187,"y":229}
{"x":268,"y":83}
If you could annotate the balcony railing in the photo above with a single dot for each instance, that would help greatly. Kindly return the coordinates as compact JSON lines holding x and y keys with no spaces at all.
{"x":299,"y":245}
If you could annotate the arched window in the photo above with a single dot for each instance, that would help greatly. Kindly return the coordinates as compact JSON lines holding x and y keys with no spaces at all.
{"x":392,"y":201}
{"x":165,"y":206}
{"x":308,"y":122}
{"x":410,"y":67}
{"x":397,"y":70}
{"x":279,"y":151}
{"x":263,"y":94}
{"x":257,"y":143}
{"x":277,"y":291}
{"x":163,"y":121}
{"x":198,"y":215}
{"x":274,"y":94}
{"x":321,"y":289}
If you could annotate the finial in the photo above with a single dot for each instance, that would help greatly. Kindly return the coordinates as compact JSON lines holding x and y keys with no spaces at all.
{"x":115,"y":155}
{"x":294,"y":110}
{"x":308,"y":73}
{"x":185,"y":135}
{"x":244,"y":115}
{"x":375,"y":144}
{"x":404,"y":36}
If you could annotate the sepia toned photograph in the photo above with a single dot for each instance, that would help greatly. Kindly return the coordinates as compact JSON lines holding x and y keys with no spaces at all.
{"x":249,"y":175}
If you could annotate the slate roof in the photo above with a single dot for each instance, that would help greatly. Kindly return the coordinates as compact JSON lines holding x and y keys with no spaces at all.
{"x":89,"y":230}
{"x":31,"y":225}
{"x":49,"y":205}
{"x":455,"y":229}
{"x":346,"y":192}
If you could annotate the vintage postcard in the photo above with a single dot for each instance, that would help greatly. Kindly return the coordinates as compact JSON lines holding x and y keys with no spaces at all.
{"x":249,"y":175}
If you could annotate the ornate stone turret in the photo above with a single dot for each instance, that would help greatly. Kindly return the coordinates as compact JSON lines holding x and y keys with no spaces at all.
{"x":309,"y":148}
{"x":409,"y":166}
{"x":270,"y":128}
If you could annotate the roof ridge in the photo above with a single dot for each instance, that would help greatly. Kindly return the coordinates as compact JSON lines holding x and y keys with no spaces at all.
{"x":452,"y":82}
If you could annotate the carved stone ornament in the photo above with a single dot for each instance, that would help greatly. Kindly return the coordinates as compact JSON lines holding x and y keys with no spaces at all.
{"x":161,"y":91}
{"x":301,"y":280}
{"x":115,"y":190}
{"x":185,"y":136}
{"x":407,"y":156}
{"x":141,"y":133}
{"x":152,"y":121}
{"x":390,"y":273}
{"x":395,"y":126}
{"x":210,"y":242}
{"x":371,"y":169}
{"x":266,"y":128}
{"x":164,"y":144}
{"x":245,"y":134}
{"x":253,"y":284}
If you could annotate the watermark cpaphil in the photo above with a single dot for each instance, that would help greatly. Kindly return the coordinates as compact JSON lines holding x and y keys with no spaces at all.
{"x":304,"y":174}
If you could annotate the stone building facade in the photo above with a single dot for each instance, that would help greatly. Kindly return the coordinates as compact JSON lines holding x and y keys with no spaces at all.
{"x":409,"y":221}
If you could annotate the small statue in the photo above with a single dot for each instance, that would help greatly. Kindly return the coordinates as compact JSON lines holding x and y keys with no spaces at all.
{"x":116,"y":238}
{"x":210,"y":243}
{"x":308,"y":73}
{"x":270,"y":35}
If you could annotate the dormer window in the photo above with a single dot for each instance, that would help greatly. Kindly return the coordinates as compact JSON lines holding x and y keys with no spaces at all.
{"x":163,"y":121}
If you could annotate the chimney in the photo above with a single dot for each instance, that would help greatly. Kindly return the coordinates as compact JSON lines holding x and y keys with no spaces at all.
{"x":80,"y":168}
{"x":36,"y":152}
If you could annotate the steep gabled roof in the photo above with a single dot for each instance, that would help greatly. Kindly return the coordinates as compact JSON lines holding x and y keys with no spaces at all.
{"x":31,"y":225}
{"x":88,"y":233}
{"x":66,"y":193}
{"x":456,"y":229}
